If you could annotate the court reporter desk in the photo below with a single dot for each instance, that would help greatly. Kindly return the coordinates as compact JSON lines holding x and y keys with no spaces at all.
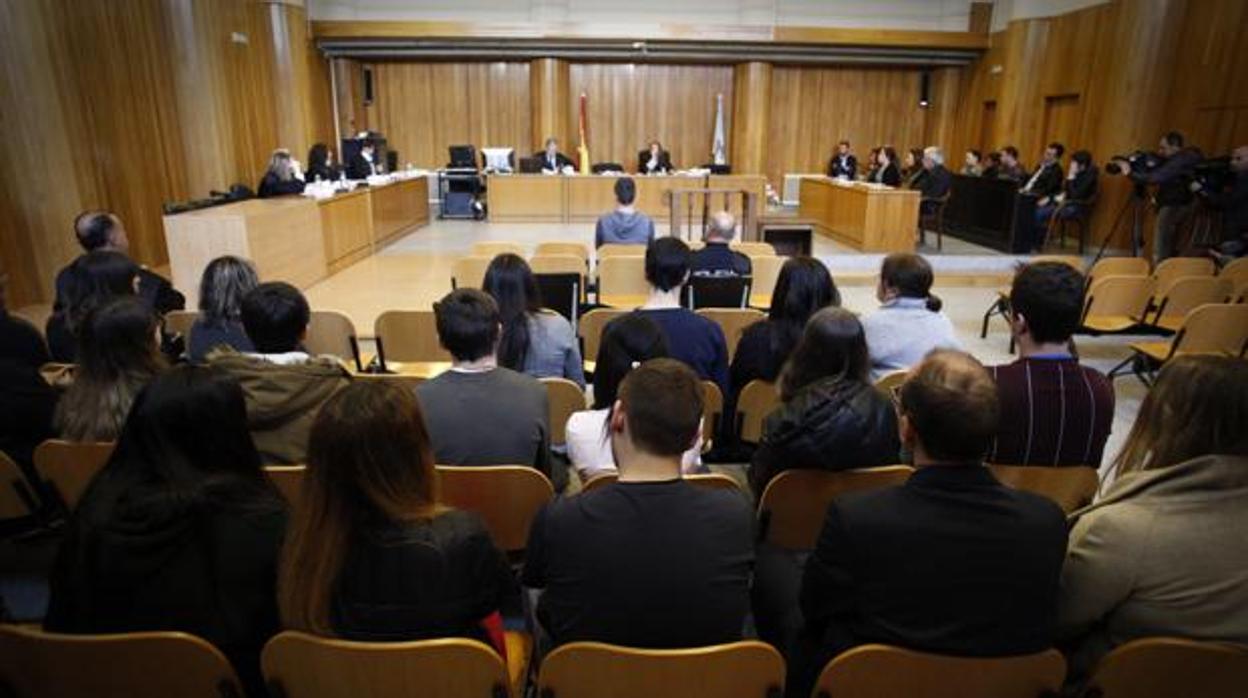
{"x":295,"y":239}
{"x":867,"y":217}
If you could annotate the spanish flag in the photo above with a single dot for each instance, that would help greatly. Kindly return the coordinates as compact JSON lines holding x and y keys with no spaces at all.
{"x":583,"y":151}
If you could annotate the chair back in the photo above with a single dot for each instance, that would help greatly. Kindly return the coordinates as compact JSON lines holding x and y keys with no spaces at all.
{"x":1072,"y":487}
{"x":733,"y":322}
{"x":494,"y":248}
{"x":614,"y":249}
{"x":1214,"y":328}
{"x":622,"y":276}
{"x":765,"y":273}
{"x":559,"y":264}
{"x":712,"y":410}
{"x":1117,"y":266}
{"x":891,"y":381}
{"x":1073,"y":261}
{"x":507,"y":497}
{"x":69,"y":466}
{"x":1240,"y":295}
{"x":1177,"y":267}
{"x":1236,"y":270}
{"x":757,"y":399}
{"x":1163,"y":667}
{"x":124,"y":665}
{"x":408,"y":335}
{"x":882,"y":671}
{"x":575,"y":249}
{"x":754,"y":249}
{"x":1116,"y":303}
{"x":591,"y":326}
{"x":288,"y":479}
{"x":180,"y":322}
{"x":469,"y":272}
{"x":17,"y":498}
{"x":717,"y":292}
{"x":564,"y":397}
{"x":795,"y":502}
{"x":1186,"y":293}
{"x":748,"y":669}
{"x":562,"y":293}
{"x":298,"y":665}
{"x":332,"y":333}
{"x":714,"y":481}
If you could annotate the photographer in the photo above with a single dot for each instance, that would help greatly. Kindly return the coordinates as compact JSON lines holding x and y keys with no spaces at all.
{"x":1174,"y":198}
{"x":1233,"y":203}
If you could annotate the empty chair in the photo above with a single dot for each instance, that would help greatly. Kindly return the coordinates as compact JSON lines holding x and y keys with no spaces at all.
{"x":591,"y":326}
{"x":575,"y":249}
{"x":126,"y":665}
{"x":766,"y":270}
{"x":882,"y":671}
{"x":733,"y":322}
{"x":1071,"y":487}
{"x":1186,"y":293}
{"x":1117,"y":266}
{"x":1162,"y":667}
{"x":757,"y":400}
{"x":620,"y":250}
{"x":754,"y":249}
{"x":792,"y":508}
{"x":69,"y":466}
{"x":748,"y":669}
{"x":408,"y":335}
{"x":622,"y":281}
{"x":1113,"y":303}
{"x":558,"y":264}
{"x":492,"y":249}
{"x":562,"y":293}
{"x":468,"y":272}
{"x":180,"y":322}
{"x":1215,"y":328}
{"x":331,"y":333}
{"x":507,"y":497}
{"x":17,"y":498}
{"x":717,"y":481}
{"x":717,"y":292}
{"x":1236,"y":269}
{"x":565,"y":397}
{"x":288,"y":479}
{"x":1178,"y":267}
{"x":712,"y":409}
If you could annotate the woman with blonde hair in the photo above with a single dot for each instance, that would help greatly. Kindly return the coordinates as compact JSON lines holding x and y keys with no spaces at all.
{"x":370,"y":553}
{"x":1165,"y":552}
{"x":282,"y":177}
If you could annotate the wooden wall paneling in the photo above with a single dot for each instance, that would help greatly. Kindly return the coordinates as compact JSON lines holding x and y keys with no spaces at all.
{"x":549,"y":91}
{"x":751,"y":117}
{"x":941,"y":120}
{"x":980,"y":21}
{"x":1061,"y":122}
{"x":1208,"y":103}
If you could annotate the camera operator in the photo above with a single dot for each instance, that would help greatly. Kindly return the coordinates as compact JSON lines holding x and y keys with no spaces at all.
{"x":1234,"y":205}
{"x":1174,"y":197}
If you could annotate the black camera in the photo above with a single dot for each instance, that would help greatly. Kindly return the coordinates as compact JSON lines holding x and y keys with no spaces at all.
{"x":1213,"y":174}
{"x":1137,"y":163}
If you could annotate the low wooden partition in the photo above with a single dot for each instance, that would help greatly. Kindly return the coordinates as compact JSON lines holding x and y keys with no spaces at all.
{"x":866,"y":217}
{"x":536,"y":198}
{"x":398,"y":207}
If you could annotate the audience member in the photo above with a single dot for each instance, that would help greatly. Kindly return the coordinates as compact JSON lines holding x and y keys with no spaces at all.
{"x":908,"y":323}
{"x":691,"y":338}
{"x":92,"y":280}
{"x":180,"y":530}
{"x":27,"y":402}
{"x":935,"y":186}
{"x":321,"y":167}
{"x":913,"y":172}
{"x":370,"y":554}
{"x":1078,"y":189}
{"x":282,"y":177}
{"x":654,"y":160}
{"x":873,"y":164}
{"x":284,"y":386}
{"x":627,"y":341}
{"x":992,"y":168}
{"x":886,"y":171}
{"x":478,"y":412}
{"x":1174,"y":198}
{"x":1053,"y":411}
{"x":650,"y":561}
{"x":1163,"y":553}
{"x":103,"y":231}
{"x":716,"y":258}
{"x":118,"y":354}
{"x":20,"y":341}
{"x":534,"y":340}
{"x":843,"y":164}
{"x":952,"y":562}
{"x":1010,"y":168}
{"x":226,"y":281}
{"x":1046,"y":182}
{"x":625,"y":225}
{"x":971,"y":166}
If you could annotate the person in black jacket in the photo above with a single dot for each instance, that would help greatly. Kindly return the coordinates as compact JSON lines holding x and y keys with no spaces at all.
{"x":1173,"y":179}
{"x":843,"y":164}
{"x":20,"y":341}
{"x":1233,"y":203}
{"x":936,"y":183}
{"x":654,"y":160}
{"x":90,"y":282}
{"x":553,"y":161}
{"x":364,"y":163}
{"x":1046,"y":182}
{"x":952,"y":562}
{"x":180,"y":530}
{"x":1078,"y":189}
{"x":886,"y":170}
{"x":282,"y":177}
{"x":321,"y":164}
{"x":717,"y":258}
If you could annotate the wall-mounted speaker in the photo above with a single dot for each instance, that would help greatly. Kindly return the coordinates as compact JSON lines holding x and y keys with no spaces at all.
{"x":925,"y":88}
{"x":368,"y":85}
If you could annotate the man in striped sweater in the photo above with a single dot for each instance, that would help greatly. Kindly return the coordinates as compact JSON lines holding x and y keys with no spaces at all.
{"x":1053,"y":411}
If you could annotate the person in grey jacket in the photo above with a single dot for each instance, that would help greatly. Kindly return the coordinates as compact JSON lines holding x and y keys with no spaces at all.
{"x":908,"y":323}
{"x":625,"y":225}
{"x":534,"y":340}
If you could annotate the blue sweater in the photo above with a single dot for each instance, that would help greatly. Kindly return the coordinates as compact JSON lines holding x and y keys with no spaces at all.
{"x":696,"y":341}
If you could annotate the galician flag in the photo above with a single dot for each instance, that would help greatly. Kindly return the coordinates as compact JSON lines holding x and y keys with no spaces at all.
{"x":583,"y":150}
{"x":718,"y":147}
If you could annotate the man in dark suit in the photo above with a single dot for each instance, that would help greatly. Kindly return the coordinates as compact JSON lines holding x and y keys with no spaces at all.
{"x":654,"y":160}
{"x":553,"y":161}
{"x":843,"y":164}
{"x":952,"y":562}
{"x":1046,"y":181}
{"x":936,"y":184}
{"x":102,"y":230}
{"x":364,"y":162}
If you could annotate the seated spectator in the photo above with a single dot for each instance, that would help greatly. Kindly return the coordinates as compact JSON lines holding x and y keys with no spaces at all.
{"x":832,"y":418}
{"x":534,"y":340}
{"x":225,"y":282}
{"x":92,"y":280}
{"x":691,"y":338}
{"x":886,"y":170}
{"x":1076,"y":191}
{"x":908,"y":323}
{"x":1010,"y":167}
{"x":627,"y":341}
{"x":20,"y":341}
{"x":935,"y":186}
{"x":1164,"y":552}
{"x":118,"y":355}
{"x":180,"y":530}
{"x":649,"y":561}
{"x":103,"y":231}
{"x":913,"y":173}
{"x":992,"y":167}
{"x":716,"y":258}
{"x":478,"y":412}
{"x":951,"y":562}
{"x":1053,"y":411}
{"x":370,"y":554}
{"x":625,"y":225}
{"x":972,"y":166}
{"x":284,"y":386}
{"x":321,"y":166}
{"x":282,"y":177}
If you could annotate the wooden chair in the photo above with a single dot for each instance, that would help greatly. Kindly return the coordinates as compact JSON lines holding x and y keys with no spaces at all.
{"x":590,"y":329}
{"x":331,"y":333}
{"x":180,"y":322}
{"x":1163,"y":667}
{"x":1240,"y":294}
{"x":715,"y":481}
{"x":576,"y":249}
{"x":712,"y":411}
{"x":733,"y":322}
{"x":564,"y":397}
{"x":559,"y":264}
{"x":891,"y":381}
{"x":757,"y":399}
{"x":623,"y":280}
{"x":289,"y":481}
{"x":1113,"y":303}
{"x":620,"y":250}
{"x":17,"y":497}
{"x":1214,"y":328}
{"x":1081,"y":220}
{"x":747,"y":669}
{"x":1236,"y":270}
{"x":1117,"y":266}
{"x":936,"y":216}
{"x":754,"y":249}
{"x":792,"y":508}
{"x":1170,"y":270}
{"x":123,"y":665}
{"x":765,"y":273}
{"x":298,"y":665}
{"x":1072,"y":487}
{"x":506,"y":496}
{"x":69,"y":466}
{"x":1183,"y":295}
{"x":469,"y":272}
{"x":883,"y":671}
{"x":408,"y":335}
{"x":494,"y":248}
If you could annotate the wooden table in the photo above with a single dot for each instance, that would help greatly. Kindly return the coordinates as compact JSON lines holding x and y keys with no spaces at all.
{"x":867,"y":217}
{"x":536,"y":198}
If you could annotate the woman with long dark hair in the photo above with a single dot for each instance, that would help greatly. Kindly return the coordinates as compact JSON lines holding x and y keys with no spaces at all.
{"x":226,"y":280}
{"x":534,"y":340}
{"x":321,"y":164}
{"x":908,"y":324}
{"x":180,"y":530}
{"x":93,"y":279}
{"x":887,"y":172}
{"x":371,"y":554}
{"x":913,"y":172}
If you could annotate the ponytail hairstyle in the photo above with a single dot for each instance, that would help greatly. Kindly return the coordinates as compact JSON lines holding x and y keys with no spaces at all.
{"x":510,"y":281}
{"x":911,"y":276}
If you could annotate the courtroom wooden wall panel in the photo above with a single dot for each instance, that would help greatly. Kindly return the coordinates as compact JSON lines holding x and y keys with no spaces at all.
{"x":1209,"y":103}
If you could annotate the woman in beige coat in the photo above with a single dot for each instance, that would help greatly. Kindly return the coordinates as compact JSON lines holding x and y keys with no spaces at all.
{"x":1165,"y":552}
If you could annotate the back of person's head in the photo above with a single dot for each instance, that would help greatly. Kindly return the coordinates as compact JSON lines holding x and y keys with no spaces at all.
{"x":117,"y":340}
{"x":1048,"y":297}
{"x":804,"y":286}
{"x":910,"y":275}
{"x":667,"y":263}
{"x":94,"y":278}
{"x":275,"y":317}
{"x":625,"y":191}
{"x":661,"y":401}
{"x":833,"y":345}
{"x":1197,"y":407}
{"x":1083,"y":158}
{"x":370,"y":462}
{"x":950,"y":403}
{"x":468,"y":324}
{"x":722,"y":227}
{"x":626,"y":341}
{"x":96,"y":229}
{"x":510,"y":282}
{"x":225,"y":282}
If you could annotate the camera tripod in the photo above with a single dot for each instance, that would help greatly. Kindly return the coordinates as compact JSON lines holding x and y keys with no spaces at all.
{"x":1134,"y":206}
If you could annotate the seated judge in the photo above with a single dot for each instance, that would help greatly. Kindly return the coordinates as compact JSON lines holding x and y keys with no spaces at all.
{"x":1011,"y":168}
{"x":716,"y":258}
{"x":625,"y":225}
{"x":283,"y":176}
{"x":102,"y":230}
{"x":654,"y":160}
{"x":886,"y":170}
{"x":364,"y":163}
{"x":553,"y":161}
{"x":321,"y":164}
{"x":843,"y":164}
{"x":935,"y":186}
